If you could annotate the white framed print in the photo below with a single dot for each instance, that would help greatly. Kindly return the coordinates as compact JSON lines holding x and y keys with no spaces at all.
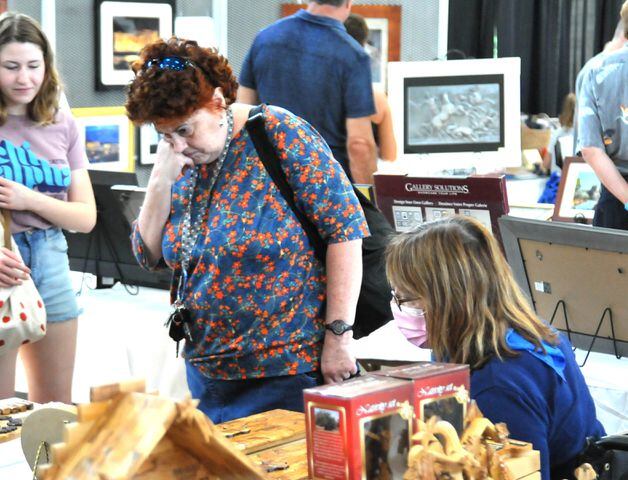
{"x":377,"y":48}
{"x":122,"y":30}
{"x":149,"y":140}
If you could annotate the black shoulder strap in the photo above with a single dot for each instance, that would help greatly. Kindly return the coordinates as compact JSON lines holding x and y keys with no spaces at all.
{"x":268,"y":156}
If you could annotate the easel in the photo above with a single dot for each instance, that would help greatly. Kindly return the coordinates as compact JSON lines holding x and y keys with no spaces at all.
{"x":590,"y":283}
{"x":597,"y":330}
{"x":100,"y":237}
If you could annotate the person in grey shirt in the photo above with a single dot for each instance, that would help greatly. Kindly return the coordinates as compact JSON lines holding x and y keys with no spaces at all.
{"x":611,"y":46}
{"x":603,"y":132}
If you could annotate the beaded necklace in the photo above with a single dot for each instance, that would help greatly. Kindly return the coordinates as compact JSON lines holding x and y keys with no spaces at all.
{"x":190,"y":232}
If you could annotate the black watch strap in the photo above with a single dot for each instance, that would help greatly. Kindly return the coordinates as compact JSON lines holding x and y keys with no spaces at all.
{"x":338,"y":327}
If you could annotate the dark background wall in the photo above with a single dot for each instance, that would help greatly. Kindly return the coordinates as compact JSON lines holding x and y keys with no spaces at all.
{"x":553,"y":38}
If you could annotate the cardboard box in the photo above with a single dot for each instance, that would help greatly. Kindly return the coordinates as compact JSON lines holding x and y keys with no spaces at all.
{"x":358,"y":429}
{"x":438,"y":389}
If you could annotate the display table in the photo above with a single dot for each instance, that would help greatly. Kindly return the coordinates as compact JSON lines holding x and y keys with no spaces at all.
{"x":274,"y":440}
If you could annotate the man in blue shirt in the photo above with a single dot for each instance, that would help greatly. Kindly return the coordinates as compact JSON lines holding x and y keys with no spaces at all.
{"x":307,"y":63}
{"x":603,"y":132}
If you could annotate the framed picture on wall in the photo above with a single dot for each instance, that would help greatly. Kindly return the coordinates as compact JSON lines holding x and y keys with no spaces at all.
{"x":149,"y":139}
{"x":109,"y":138}
{"x":384,"y":42}
{"x":377,"y":48}
{"x":578,"y":192}
{"x":122,"y":30}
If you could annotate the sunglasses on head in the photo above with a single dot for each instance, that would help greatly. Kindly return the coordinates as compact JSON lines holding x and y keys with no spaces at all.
{"x":168,"y":63}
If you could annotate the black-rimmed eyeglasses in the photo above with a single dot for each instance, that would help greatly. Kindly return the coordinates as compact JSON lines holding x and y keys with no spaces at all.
{"x":400,"y":301}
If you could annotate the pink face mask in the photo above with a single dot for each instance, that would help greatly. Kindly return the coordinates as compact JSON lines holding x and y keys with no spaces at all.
{"x":411,"y":322}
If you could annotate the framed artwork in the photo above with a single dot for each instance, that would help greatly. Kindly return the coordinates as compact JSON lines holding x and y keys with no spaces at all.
{"x":578,"y":192}
{"x":122,"y":30}
{"x":149,"y":139}
{"x":384,"y":42}
{"x":576,"y":267}
{"x":377,"y":48}
{"x":109,"y":138}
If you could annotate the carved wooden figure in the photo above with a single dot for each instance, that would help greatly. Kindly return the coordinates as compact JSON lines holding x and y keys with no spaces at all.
{"x":128,"y":434}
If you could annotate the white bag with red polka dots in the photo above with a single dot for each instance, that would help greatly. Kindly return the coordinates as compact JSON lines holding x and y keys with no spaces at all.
{"x":22,"y":311}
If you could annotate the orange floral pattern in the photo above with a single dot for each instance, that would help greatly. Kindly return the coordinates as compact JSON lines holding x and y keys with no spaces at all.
{"x":255,"y":289}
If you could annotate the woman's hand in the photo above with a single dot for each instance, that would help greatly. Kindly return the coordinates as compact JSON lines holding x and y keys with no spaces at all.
{"x":12,"y":269}
{"x":14,"y":196}
{"x":169,"y":164}
{"x":337,"y":360}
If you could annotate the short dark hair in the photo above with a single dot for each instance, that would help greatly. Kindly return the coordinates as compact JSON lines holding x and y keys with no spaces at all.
{"x":356,"y":27}
{"x":334,"y":3}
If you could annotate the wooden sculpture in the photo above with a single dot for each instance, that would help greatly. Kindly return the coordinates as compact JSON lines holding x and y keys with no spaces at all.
{"x":484,"y":452}
{"x":125,"y":433}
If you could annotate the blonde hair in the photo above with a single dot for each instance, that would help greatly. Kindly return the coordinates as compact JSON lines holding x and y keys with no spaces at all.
{"x":17,"y":27}
{"x":456,"y":269}
{"x":566,"y":116}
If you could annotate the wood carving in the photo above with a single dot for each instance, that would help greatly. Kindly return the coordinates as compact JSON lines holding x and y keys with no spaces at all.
{"x":483,"y":452}
{"x":285,"y":462}
{"x":128,"y":434}
{"x":264,"y":430}
{"x":12,"y":412}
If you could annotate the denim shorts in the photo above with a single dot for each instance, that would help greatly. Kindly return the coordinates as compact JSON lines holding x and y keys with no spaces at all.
{"x":45,"y":252}
{"x":223,"y":400}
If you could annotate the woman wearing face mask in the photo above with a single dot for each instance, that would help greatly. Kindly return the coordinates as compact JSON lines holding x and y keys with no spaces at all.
{"x":410,"y":321}
{"x":45,"y":185}
{"x":522,"y":371}
{"x":245,"y":275}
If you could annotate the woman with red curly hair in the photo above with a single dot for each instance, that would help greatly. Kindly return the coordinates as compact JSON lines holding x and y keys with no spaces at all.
{"x":249,"y":295}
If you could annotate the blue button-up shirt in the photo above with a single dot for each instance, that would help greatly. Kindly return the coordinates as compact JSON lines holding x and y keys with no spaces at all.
{"x":309,"y":65}
{"x":603,"y":109}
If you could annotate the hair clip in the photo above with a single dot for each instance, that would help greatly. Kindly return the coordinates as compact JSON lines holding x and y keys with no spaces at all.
{"x":168,"y":63}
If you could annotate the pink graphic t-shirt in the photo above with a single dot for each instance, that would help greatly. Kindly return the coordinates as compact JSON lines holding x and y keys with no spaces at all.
{"x":41,"y":158}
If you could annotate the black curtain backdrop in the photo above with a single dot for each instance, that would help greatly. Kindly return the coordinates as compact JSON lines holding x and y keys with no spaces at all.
{"x":554,"y":38}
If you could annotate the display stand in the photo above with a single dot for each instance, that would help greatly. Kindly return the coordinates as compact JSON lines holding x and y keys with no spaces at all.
{"x":407,"y":201}
{"x":106,"y":251}
{"x":576,"y":277}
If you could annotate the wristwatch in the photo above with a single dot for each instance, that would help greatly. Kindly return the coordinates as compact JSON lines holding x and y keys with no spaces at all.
{"x":338,"y":327}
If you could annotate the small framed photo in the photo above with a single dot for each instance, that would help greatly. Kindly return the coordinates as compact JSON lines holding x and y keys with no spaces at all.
{"x":109,"y":138}
{"x":377,"y":48}
{"x":149,"y":139}
{"x":122,"y":30}
{"x":578,"y":192}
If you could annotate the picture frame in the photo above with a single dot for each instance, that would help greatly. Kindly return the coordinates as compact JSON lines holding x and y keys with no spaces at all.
{"x":384,"y":21}
{"x":148,"y":141}
{"x":377,"y":49}
{"x":122,"y":29}
{"x":109,"y":138}
{"x":578,"y":192}
{"x":576,"y":267}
